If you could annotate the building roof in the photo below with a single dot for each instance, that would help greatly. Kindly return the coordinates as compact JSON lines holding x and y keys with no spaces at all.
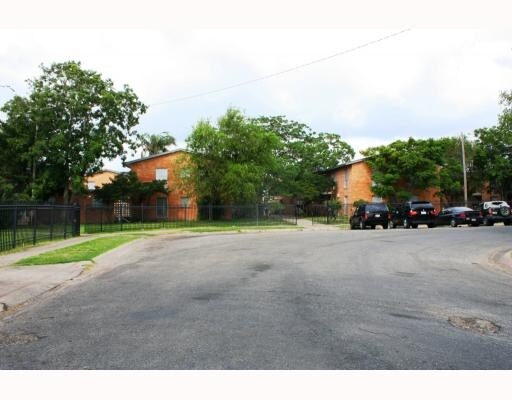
{"x":359,"y":160}
{"x":165,"y":153}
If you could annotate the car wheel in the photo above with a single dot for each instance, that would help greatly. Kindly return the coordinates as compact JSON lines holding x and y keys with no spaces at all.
{"x":504,"y":211}
{"x":384,"y":226}
{"x":362,"y":225}
{"x":406,"y":223}
{"x":475,"y":224}
{"x":486,"y":222}
{"x":352,"y":227}
{"x":372,"y":226}
{"x":507,"y":223}
{"x":391,"y":225}
{"x":431,"y":225}
{"x":453,"y":223}
{"x":414,"y":226}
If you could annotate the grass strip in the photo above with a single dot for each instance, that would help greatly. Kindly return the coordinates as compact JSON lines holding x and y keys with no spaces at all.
{"x":79,"y":252}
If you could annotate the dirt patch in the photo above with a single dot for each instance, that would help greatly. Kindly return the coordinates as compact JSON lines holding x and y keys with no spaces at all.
{"x":23,"y":338}
{"x":473,"y":324}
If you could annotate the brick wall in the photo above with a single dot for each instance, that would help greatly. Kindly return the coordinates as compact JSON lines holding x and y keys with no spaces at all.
{"x":146,"y":172}
{"x":359,"y":185}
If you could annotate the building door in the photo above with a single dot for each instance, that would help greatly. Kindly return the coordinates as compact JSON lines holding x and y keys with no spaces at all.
{"x":161,"y":207}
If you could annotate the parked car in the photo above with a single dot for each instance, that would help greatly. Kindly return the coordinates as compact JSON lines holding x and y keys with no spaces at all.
{"x":495,"y":211}
{"x":371,"y":215}
{"x":413,"y":213}
{"x":455,"y":216}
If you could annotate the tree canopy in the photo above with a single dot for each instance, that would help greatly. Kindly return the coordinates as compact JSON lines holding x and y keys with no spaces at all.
{"x":127,"y":187}
{"x":302,"y":155}
{"x":403,"y":166}
{"x":72,"y":119}
{"x":233,"y":162}
{"x":154,"y":144}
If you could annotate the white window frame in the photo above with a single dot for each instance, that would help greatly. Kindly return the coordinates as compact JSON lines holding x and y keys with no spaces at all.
{"x":161,"y":174}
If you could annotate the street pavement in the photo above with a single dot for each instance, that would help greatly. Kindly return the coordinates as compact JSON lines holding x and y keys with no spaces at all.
{"x":375,"y":299}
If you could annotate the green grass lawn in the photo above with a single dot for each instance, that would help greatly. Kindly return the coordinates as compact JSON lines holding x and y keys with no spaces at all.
{"x":195,"y":226}
{"x":79,"y":252}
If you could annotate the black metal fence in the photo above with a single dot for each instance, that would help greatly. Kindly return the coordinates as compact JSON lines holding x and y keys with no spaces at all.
{"x":28,"y":224}
{"x":123,"y":216}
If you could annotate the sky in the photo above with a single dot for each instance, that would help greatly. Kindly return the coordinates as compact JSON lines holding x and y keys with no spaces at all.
{"x":424,"y":82}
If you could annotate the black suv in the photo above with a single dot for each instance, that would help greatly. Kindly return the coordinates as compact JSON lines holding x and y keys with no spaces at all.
{"x":413,"y":213}
{"x":371,"y":214}
{"x":495,"y":211}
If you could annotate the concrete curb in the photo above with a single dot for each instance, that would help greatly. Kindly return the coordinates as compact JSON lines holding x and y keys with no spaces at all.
{"x":503,"y":260}
{"x":24,"y":285}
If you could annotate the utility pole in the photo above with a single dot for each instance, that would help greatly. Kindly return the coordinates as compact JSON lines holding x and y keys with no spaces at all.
{"x":464,"y":171}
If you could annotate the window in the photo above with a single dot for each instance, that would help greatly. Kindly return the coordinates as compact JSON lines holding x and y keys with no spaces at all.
{"x":376,"y":199}
{"x":161,"y":174}
{"x":345,"y":176}
{"x":161,"y":207}
{"x":96,"y":202}
{"x":185,"y":202}
{"x":91,"y":185}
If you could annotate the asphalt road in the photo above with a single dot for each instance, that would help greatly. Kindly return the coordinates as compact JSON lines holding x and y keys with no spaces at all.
{"x":280,"y":300}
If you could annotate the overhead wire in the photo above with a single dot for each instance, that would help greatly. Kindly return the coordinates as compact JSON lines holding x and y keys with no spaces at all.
{"x":285,"y":71}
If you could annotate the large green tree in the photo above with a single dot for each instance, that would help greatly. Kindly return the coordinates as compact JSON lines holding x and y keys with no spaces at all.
{"x":494,"y":151}
{"x":403,"y":166}
{"x":233,"y":162}
{"x":72,"y":119}
{"x":303,"y":154}
{"x":451,"y":173}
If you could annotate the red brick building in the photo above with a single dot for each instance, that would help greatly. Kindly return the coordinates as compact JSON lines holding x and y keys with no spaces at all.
{"x":93,"y":182}
{"x":353,"y":182}
{"x":167,"y":166}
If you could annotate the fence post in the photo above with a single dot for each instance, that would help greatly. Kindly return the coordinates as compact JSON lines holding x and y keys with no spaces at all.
{"x":65,"y":223}
{"x":34,"y":226}
{"x":15,"y":223}
{"x":76,"y":225}
{"x":51,"y":222}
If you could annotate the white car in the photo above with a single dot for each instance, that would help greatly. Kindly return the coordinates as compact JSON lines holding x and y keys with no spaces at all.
{"x":495,"y":211}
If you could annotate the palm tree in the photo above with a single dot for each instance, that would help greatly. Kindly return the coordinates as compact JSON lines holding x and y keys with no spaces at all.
{"x":154,"y":144}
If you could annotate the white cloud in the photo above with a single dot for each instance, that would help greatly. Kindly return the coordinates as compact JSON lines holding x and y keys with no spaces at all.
{"x":421,"y":82}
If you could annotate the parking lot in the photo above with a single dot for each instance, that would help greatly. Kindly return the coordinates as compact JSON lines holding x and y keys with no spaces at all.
{"x":364,"y":299}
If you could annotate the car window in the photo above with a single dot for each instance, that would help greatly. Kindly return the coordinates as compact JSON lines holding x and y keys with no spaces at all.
{"x":422,"y":205}
{"x":377,"y":207}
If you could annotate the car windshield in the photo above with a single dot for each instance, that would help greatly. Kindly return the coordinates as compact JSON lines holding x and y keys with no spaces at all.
{"x":418,"y":204}
{"x":460,"y":209}
{"x":377,"y":207}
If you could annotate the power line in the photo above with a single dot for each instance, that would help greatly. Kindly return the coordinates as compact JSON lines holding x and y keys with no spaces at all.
{"x":261,"y":78}
{"x":8,"y":87}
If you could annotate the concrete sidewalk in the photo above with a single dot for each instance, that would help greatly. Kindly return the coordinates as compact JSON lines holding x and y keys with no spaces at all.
{"x":19,"y":284}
